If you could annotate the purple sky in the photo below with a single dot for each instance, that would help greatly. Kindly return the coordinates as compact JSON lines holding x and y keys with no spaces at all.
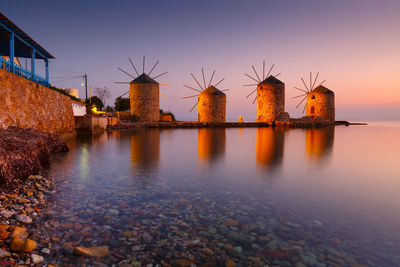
{"x":355,"y":45}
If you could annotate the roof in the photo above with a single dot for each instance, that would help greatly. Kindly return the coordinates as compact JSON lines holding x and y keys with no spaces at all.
{"x":322,"y":89}
{"x":144,"y":79}
{"x":21,"y":49}
{"x":272,"y":80}
{"x":212,"y":90}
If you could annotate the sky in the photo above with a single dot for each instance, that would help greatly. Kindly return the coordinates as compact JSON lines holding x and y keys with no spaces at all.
{"x":354,"y":45}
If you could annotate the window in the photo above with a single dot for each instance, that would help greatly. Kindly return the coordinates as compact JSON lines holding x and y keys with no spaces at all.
{"x":313,"y":97}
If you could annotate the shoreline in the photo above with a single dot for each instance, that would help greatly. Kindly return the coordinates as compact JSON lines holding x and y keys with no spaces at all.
{"x":21,"y":208}
{"x":293,"y":124}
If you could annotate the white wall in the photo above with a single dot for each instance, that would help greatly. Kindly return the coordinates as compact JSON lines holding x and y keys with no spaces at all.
{"x":79,"y":110}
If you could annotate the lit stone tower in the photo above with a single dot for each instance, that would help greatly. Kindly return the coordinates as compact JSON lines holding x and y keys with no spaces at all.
{"x":144,"y":94}
{"x":270,"y":99}
{"x":210,"y":100}
{"x":145,"y":99}
{"x":270,"y":95}
{"x":321,"y":103}
{"x":212,"y":105}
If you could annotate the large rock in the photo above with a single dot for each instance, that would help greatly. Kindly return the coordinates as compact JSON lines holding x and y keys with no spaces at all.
{"x":26,"y":151}
{"x":96,"y":252}
{"x":22,"y":245}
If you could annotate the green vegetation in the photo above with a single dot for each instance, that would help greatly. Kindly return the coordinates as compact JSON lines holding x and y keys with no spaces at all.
{"x":96,"y":101}
{"x":122,"y":104}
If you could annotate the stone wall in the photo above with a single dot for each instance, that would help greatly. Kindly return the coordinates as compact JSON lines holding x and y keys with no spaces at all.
{"x":91,"y":123}
{"x":321,"y":104}
{"x":27,"y":104}
{"x":211,"y":108}
{"x":145,"y":100}
{"x":270,"y":101}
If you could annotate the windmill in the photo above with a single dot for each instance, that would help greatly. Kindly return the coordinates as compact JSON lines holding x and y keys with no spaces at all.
{"x":307,"y":90}
{"x":144,"y":93}
{"x":270,"y":95}
{"x":210,"y":100}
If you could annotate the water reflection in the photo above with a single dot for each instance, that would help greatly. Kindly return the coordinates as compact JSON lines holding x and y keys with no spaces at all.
{"x":269,"y":146}
{"x":211,"y":143}
{"x":319,"y":142}
{"x":350,"y":217}
{"x":145,"y":148}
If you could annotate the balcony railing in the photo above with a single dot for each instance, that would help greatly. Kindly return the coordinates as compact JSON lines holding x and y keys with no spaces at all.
{"x":4,"y":64}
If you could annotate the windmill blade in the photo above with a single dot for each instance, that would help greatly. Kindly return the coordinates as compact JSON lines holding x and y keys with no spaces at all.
{"x":189,"y":96}
{"x":278,"y":74}
{"x":122,"y":82}
{"x":305,"y":84}
{"x":305,"y":105}
{"x":192,"y":88}
{"x":299,"y":96}
{"x":163,"y":95}
{"x":251,"y":93}
{"x":250,"y":84}
{"x":153,"y":67}
{"x":263,"y":69}
{"x":126,"y":73}
{"x":219,"y":81}
{"x":270,"y":70}
{"x":144,"y":60}
{"x":321,"y":83}
{"x":316,"y":77}
{"x":254,"y":101}
{"x":310,"y":80}
{"x":301,"y":90}
{"x":204,"y":80}
{"x":256,"y":73}
{"x":225,"y":90}
{"x":211,"y":78}
{"x":134,"y":67}
{"x":193,"y":107}
{"x":251,"y":77}
{"x":160,"y":75}
{"x":301,"y":102}
{"x":164,"y":84}
{"x":124,"y":94}
{"x":197,"y":81}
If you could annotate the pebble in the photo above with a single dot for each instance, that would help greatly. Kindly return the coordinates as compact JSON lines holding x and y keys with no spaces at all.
{"x":24,"y":219}
{"x":45,"y":251}
{"x":4,"y":253}
{"x":7,"y":213}
{"x":96,"y":251}
{"x":36,"y":259}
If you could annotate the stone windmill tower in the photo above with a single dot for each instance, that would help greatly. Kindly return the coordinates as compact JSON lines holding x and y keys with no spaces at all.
{"x":144,"y":94}
{"x":320,"y":101}
{"x":270,"y":95}
{"x":211,"y":101}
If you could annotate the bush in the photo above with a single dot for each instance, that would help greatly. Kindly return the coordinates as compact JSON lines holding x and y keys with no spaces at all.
{"x":96,"y":101}
{"x":122,"y":104}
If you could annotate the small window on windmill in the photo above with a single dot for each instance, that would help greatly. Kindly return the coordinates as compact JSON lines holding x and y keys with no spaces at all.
{"x":313,"y":97}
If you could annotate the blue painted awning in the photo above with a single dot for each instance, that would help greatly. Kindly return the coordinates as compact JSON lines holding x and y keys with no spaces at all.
{"x":23,"y":43}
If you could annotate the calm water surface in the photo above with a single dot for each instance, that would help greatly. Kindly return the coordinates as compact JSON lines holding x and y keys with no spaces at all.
{"x":322,"y":197}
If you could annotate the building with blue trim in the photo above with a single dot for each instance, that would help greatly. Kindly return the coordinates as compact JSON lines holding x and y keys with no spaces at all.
{"x":15,"y":43}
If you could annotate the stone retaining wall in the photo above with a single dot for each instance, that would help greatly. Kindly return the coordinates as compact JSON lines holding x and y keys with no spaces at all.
{"x":27,"y":104}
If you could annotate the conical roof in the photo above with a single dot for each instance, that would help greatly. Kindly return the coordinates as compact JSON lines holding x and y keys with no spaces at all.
{"x":323,"y":90}
{"x":143,"y":79}
{"x":212,"y":90}
{"x":272,"y":80}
